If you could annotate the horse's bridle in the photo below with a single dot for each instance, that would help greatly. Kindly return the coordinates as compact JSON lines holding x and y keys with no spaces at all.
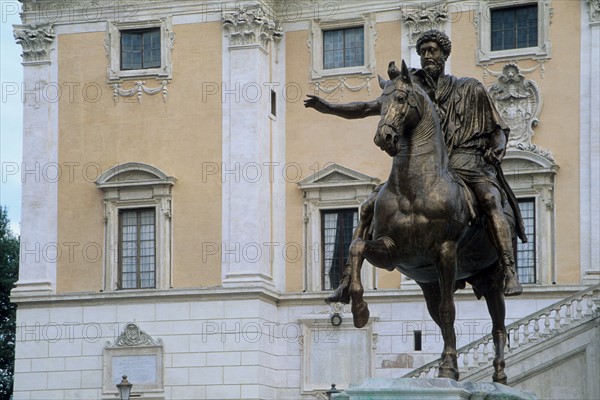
{"x":411,"y":99}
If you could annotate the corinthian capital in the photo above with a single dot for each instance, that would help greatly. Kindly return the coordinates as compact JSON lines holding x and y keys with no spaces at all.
{"x":36,"y":41}
{"x":250,"y":26}
{"x":423,"y":18}
{"x":594,"y":11}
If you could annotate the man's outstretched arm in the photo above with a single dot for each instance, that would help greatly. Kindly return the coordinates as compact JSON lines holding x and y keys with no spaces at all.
{"x":353,"y":110}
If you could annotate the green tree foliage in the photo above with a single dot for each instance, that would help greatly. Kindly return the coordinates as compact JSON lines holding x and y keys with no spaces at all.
{"x":9,"y":269}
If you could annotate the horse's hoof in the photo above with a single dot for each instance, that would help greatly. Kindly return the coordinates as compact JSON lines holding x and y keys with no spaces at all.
{"x":451,"y":373}
{"x":360,"y":314}
{"x":500,"y":378}
{"x":512,"y":287}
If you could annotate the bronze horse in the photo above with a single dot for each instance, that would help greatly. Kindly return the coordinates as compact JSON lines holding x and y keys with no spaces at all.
{"x":422,"y":223}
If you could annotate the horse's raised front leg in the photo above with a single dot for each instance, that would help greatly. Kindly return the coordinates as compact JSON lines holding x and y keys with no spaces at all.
{"x":379,"y":253}
{"x":447,"y":265}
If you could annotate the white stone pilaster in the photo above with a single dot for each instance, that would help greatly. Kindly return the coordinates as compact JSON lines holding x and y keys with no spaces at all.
{"x":247,"y":148}
{"x":590,"y":142}
{"x":37,"y":269}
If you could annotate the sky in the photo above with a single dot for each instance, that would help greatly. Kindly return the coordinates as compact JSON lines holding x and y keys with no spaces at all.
{"x":11,"y":114}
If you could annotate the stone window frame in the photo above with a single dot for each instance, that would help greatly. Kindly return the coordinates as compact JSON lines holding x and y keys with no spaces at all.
{"x":133,"y":186}
{"x":331,"y":188}
{"x":113,"y":50}
{"x":532,"y":176}
{"x":315,"y":44}
{"x":484,"y":44}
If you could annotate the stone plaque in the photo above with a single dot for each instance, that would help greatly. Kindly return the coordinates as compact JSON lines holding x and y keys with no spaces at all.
{"x":140,"y":370}
{"x":139,"y":356}
{"x":335,"y":354}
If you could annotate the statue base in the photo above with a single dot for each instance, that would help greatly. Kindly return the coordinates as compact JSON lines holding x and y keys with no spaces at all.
{"x":430,"y":388}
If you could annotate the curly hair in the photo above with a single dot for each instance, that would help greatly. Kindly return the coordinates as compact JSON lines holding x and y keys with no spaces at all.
{"x":439,"y":37}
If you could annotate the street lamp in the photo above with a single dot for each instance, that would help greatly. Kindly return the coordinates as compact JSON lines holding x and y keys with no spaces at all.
{"x":331,"y":391}
{"x":124,"y":388}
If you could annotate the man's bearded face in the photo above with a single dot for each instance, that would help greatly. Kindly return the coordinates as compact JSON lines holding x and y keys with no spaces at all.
{"x":432,"y":59}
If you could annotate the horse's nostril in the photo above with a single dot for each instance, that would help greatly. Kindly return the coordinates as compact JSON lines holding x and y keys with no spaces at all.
{"x":395,"y":139}
{"x":388,"y":138}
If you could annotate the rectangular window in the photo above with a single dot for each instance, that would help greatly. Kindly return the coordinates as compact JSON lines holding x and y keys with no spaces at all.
{"x":140,"y":49}
{"x":514,"y":27}
{"x":418,"y":340}
{"x":337,"y":227}
{"x":137,"y":249}
{"x":526,"y":252}
{"x":343,"y":48}
{"x":273,"y":103}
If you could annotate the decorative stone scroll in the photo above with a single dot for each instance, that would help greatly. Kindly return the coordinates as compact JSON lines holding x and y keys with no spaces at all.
{"x":519,"y":102}
{"x":36,"y":42}
{"x":251,"y":26}
{"x":423,"y":19}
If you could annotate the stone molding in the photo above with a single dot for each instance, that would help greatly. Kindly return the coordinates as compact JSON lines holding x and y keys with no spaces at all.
{"x":112,"y":46}
{"x":484,"y":52}
{"x":423,"y":19}
{"x":314,"y":45}
{"x":250,"y":26}
{"x":36,"y":42}
{"x":519,"y":102}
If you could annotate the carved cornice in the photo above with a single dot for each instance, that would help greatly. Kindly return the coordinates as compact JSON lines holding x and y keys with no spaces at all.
{"x":251,"y":26}
{"x":423,"y":19}
{"x":594,"y":11}
{"x":36,"y":42}
{"x":519,"y":102}
{"x":133,"y":336}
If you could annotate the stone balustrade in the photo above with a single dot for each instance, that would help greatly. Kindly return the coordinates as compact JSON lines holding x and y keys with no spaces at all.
{"x":532,"y":329}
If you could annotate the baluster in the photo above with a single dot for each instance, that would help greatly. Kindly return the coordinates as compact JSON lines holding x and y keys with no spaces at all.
{"x":590,"y":306}
{"x":546,"y":325}
{"x":557,"y":317}
{"x":578,"y":308}
{"x":526,"y":332}
{"x":486,"y":352}
{"x":568,"y":313}
{"x":536,"y":329}
{"x":516,"y":338}
{"x":476,"y":357}
{"x":465,"y":360}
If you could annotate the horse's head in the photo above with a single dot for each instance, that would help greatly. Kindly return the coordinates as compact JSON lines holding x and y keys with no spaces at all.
{"x":400,"y":109}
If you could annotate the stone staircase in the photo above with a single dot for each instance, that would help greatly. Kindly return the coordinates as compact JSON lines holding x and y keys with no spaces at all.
{"x":532,"y":335}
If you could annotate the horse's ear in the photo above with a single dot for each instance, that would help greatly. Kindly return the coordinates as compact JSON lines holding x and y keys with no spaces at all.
{"x":405,"y":73}
{"x":382,"y":82}
{"x":393,"y":71}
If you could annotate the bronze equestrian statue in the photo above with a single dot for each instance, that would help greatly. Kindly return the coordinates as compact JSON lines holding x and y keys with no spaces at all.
{"x":445,"y":216}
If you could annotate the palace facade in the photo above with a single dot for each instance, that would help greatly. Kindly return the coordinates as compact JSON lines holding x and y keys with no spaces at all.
{"x":184,"y":215}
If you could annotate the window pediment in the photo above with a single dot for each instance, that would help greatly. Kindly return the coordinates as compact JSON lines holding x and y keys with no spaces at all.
{"x":134,"y":174}
{"x":337,"y":175}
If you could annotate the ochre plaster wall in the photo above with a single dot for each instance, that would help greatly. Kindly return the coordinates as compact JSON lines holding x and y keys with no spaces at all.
{"x":176,"y":136}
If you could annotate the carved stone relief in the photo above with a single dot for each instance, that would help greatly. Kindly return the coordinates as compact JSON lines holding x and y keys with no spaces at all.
{"x":132,"y":335}
{"x":36,"y":42}
{"x":423,"y":19}
{"x":519,"y":102}
{"x":251,"y":26}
